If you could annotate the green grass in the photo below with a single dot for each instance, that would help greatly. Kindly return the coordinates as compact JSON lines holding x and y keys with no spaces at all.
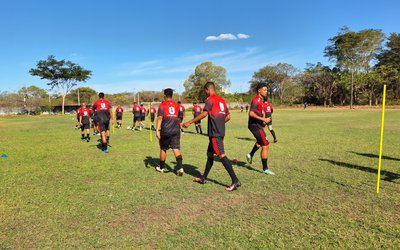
{"x":58,"y":192}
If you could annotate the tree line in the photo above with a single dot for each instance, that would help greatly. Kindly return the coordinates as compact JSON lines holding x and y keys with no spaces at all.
{"x":362,"y":62}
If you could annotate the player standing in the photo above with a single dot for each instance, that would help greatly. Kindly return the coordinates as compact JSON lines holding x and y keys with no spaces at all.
{"x":152,"y":110}
{"x":84,"y":121}
{"x":218,"y":114}
{"x":196,"y":112}
{"x":181,"y":114}
{"x":78,"y":111}
{"x":136,"y":115}
{"x":268,"y":110}
{"x":119,"y":113}
{"x":142,"y":116}
{"x":168,"y":131}
{"x":256,"y":126}
{"x":104,"y":114}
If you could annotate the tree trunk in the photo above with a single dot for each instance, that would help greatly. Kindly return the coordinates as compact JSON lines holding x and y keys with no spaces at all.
{"x":370,"y":101}
{"x":351,"y":91}
{"x":63,"y":102}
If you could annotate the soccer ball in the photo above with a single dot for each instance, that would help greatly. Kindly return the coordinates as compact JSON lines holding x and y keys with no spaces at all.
{"x":129,"y":127}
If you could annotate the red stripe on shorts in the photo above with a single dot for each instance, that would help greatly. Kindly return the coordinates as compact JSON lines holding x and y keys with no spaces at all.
{"x":263,"y":137}
{"x":214,"y":142}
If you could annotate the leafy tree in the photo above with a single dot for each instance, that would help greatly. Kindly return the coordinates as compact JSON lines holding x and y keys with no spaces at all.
{"x":391,"y":55}
{"x":354,"y":51}
{"x":278,"y":77}
{"x":86,"y":94}
{"x":62,"y":75}
{"x":33,"y":97}
{"x":203,"y":73}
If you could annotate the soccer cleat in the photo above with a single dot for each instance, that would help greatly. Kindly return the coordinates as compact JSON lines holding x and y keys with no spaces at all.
{"x":233,"y":186}
{"x":180,"y":172}
{"x":159,"y":169}
{"x":183,"y":133}
{"x":267,"y":171}
{"x":275,"y":141}
{"x":88,"y":139}
{"x":200,"y":180}
{"x":106,"y":151}
{"x":249,"y":158}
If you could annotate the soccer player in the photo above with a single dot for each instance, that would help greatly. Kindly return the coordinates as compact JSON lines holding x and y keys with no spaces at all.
{"x":104,"y":114}
{"x":136,"y":115}
{"x":168,"y":131}
{"x":196,"y":112}
{"x":78,"y":110}
{"x":152,"y":110}
{"x":268,"y":110}
{"x":256,"y":126}
{"x":218,"y":114}
{"x":119,"y":113}
{"x":84,"y":121}
{"x":95,"y":124}
{"x":142,"y":116}
{"x":181,"y":114}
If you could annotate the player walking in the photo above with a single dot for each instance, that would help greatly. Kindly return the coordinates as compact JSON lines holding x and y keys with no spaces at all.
{"x":218,"y":114}
{"x":268,"y":110}
{"x":136,"y":115}
{"x":196,"y":112}
{"x":84,"y":122}
{"x":104,"y":114}
{"x":119,"y":113}
{"x":181,"y":114}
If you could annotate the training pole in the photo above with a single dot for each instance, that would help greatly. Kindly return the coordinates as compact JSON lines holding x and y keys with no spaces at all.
{"x":151,"y":125}
{"x":381,"y":140}
{"x":113,"y":125}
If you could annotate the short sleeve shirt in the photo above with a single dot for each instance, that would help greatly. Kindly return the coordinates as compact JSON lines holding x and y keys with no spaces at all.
{"x":268,"y":109}
{"x":102,"y":107}
{"x":169,"y":111}
{"x":197,"y":110}
{"x":136,"y":110}
{"x":181,"y":110}
{"x":119,"y":109}
{"x":257,"y":106}
{"x":217,"y":112}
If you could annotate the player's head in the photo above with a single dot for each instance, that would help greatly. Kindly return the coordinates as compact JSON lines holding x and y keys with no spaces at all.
{"x":83,"y":105}
{"x":134,"y":103}
{"x":262,"y":89}
{"x":179,"y":102}
{"x":168,"y":93}
{"x":194,"y":103}
{"x":209,"y":88}
{"x":101,"y":95}
{"x":141,"y":104}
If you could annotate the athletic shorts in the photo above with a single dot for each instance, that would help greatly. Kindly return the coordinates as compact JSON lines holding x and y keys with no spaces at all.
{"x":85,"y":126}
{"x":136,"y":118}
{"x":216,"y":145}
{"x":119,"y":116}
{"x":198,"y":122}
{"x":260,"y":136}
{"x":143,"y":118}
{"x":104,"y":125}
{"x":170,"y":141}
{"x":152,"y":118}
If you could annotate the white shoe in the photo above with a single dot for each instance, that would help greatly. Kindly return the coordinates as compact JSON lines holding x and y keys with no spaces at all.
{"x":268,"y":172}
{"x":249,"y":158}
{"x":159,"y":169}
{"x":180,"y":172}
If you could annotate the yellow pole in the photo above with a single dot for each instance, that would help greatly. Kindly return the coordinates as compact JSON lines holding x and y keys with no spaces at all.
{"x":151,"y":125}
{"x":113,"y":126}
{"x":381,"y":139}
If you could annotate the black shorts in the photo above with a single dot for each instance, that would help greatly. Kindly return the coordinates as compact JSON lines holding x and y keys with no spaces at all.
{"x":136,"y":118}
{"x":152,"y":118}
{"x":104,"y":125}
{"x":216,"y":145}
{"x":119,"y":116}
{"x":260,"y":136}
{"x":269,"y":123}
{"x":170,"y":141}
{"x":143,"y":118}
{"x":85,"y":126}
{"x":198,"y":122}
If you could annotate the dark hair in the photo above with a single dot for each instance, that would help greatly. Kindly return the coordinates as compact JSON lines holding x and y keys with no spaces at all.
{"x":179,"y":102}
{"x":168,"y":92}
{"x":101,"y":95}
{"x":194,"y":103}
{"x":261,"y":85}
{"x":141,"y":104}
{"x":209,"y":85}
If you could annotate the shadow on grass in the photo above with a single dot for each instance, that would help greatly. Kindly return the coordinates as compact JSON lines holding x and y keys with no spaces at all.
{"x":389,"y":176}
{"x":245,"y":139}
{"x":150,"y":162}
{"x":241,"y":164}
{"x":375,"y":156}
{"x":194,"y":133}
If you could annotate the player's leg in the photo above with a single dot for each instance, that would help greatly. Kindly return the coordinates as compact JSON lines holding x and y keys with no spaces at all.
{"x":271,"y":130}
{"x":176,"y":147}
{"x":82,"y":132}
{"x":256,"y":146}
{"x":264,"y":153}
{"x":164,"y":145}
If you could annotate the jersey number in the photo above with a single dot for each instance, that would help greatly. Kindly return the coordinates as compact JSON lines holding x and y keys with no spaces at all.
{"x":171,"y":110}
{"x":103,"y":105}
{"x":221,"y":106}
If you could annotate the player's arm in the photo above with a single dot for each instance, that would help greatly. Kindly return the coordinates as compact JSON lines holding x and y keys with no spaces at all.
{"x":253,"y":114}
{"x":112,"y":117}
{"x":198,"y":118}
{"x":227,"y":117}
{"x":158,"y":127}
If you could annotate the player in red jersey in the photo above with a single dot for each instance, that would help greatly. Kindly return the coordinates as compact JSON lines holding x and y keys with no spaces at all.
{"x":136,"y":115}
{"x":268,"y":110}
{"x":84,"y":122}
{"x":256,"y":126}
{"x":168,"y":131}
{"x":152,"y":111}
{"x":181,"y":114}
{"x":196,"y":112}
{"x":142,"y":116}
{"x":104,"y":114}
{"x":119,"y":111}
{"x":218,"y":114}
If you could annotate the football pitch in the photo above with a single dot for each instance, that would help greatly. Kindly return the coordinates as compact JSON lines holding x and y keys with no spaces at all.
{"x":57,"y":192}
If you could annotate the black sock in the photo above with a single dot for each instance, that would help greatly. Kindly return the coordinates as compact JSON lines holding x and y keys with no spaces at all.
{"x":104,"y":146}
{"x":181,"y":130}
{"x":201,"y":131}
{"x":228,"y":166}
{"x":88,"y":136}
{"x":179,"y":160}
{"x":108,"y":139}
{"x":264,"y":163}
{"x":83,"y":136}
{"x":162,"y":164}
{"x":209,"y":164}
{"x":273,"y":134}
{"x":254,"y":150}
{"x":197,"y":129}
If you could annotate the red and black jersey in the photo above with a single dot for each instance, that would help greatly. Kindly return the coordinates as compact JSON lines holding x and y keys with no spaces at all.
{"x":103,"y":109}
{"x":143,"y":111}
{"x":257,"y":106}
{"x":197,"y":110}
{"x":169,"y":111}
{"x":181,"y":110}
{"x":136,"y":110}
{"x":152,"y":111}
{"x":85,"y":113}
{"x":268,"y":110}
{"x":78,"y":110}
{"x":119,"y":109}
{"x":217,"y":111}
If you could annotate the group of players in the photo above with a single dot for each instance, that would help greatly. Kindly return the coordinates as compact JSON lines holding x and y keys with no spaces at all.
{"x":169,"y":127}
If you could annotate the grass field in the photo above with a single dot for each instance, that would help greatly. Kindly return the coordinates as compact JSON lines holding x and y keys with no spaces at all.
{"x":57,"y":192}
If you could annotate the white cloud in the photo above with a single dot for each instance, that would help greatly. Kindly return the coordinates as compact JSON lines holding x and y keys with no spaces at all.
{"x":229,"y":36}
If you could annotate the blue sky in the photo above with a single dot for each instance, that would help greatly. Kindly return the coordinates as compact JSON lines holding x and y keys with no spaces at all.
{"x":155,"y":44}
